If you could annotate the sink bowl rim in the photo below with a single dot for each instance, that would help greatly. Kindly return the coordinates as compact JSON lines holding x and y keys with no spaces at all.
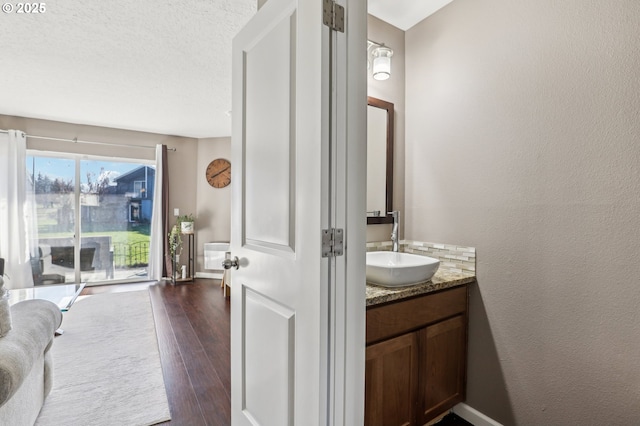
{"x":425,"y":260}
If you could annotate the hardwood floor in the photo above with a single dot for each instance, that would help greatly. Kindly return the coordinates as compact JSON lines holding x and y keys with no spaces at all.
{"x":192,"y":323}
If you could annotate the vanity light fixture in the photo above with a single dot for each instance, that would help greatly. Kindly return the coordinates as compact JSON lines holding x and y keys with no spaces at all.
{"x":381,"y":55}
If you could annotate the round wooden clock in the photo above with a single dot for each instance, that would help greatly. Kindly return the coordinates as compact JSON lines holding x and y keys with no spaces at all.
{"x":219,"y":173}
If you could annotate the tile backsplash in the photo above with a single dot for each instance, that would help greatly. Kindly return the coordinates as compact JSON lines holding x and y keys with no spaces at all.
{"x":451,"y":257}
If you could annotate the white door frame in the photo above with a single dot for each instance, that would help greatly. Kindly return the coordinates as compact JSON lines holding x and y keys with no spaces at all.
{"x":348,"y":298}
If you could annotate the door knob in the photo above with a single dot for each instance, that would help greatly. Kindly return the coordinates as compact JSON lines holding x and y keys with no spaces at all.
{"x":229,"y":263}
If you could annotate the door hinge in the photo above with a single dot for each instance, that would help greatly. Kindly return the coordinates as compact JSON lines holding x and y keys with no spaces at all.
{"x":332,"y":242}
{"x":333,"y":15}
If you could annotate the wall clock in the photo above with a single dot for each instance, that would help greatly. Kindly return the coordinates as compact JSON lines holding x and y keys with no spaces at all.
{"x":219,"y":173}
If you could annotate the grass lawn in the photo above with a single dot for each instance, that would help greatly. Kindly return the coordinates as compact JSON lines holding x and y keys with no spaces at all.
{"x":130,"y":248}
{"x":141,"y":235}
{"x":121,"y":237}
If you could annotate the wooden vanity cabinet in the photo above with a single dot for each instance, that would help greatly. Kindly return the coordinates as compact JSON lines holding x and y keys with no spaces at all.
{"x":391,"y":386}
{"x":443,"y":355}
{"x":416,"y":358}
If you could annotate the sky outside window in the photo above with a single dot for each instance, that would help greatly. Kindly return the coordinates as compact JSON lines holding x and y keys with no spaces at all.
{"x":64,"y":169}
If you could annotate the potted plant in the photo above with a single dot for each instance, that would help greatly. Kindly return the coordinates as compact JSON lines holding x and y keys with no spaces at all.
{"x":175,"y":241}
{"x":186,"y":222}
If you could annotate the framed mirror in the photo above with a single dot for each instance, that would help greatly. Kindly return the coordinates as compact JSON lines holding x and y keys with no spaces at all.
{"x":379,"y":161}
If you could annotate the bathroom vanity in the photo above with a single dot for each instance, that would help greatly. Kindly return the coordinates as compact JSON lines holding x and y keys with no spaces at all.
{"x":416,"y":336}
{"x":416,"y":351}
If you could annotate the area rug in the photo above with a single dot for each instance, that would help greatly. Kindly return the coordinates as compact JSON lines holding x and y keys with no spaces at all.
{"x":106,"y":364}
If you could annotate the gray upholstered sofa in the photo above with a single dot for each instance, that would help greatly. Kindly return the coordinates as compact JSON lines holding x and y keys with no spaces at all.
{"x":26,"y":369}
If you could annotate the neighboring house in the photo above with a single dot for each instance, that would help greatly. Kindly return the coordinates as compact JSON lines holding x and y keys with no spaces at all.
{"x":138,"y":187}
{"x":126,"y":200}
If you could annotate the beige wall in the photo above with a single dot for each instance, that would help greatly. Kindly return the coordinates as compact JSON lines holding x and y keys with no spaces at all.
{"x":391,"y":90}
{"x":213,"y":204}
{"x":522,"y":140}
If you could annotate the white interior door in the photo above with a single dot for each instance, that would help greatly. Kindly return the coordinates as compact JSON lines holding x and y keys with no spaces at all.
{"x":288,"y":350}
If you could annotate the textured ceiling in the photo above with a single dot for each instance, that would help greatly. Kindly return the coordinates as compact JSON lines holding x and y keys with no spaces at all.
{"x":158,"y":66}
{"x":404,"y":14}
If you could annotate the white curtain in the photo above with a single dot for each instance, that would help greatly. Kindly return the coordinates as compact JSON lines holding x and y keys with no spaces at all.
{"x":16,"y":210}
{"x":156,"y":257}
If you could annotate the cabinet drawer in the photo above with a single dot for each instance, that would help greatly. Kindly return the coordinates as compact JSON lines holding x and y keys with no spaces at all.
{"x":397,"y":318}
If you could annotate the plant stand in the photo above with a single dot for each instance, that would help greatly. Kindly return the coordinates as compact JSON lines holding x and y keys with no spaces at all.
{"x":191,"y":266}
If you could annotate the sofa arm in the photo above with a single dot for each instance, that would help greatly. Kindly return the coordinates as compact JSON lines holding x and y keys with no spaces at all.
{"x":34,"y":323}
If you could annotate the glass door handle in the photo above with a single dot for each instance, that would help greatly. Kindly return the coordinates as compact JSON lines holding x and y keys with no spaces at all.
{"x":229,"y":263}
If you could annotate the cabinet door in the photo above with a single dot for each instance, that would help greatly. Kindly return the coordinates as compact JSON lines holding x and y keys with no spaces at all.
{"x":391,"y":382}
{"x":443,"y":366}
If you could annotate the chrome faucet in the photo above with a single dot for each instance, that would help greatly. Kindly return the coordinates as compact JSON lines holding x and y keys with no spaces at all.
{"x":395,"y":230}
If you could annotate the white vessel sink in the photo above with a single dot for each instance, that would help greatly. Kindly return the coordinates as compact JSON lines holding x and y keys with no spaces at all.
{"x":392,"y":269}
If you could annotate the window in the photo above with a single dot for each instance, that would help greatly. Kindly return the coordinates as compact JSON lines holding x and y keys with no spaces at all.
{"x":91,"y":203}
{"x":140,"y":188}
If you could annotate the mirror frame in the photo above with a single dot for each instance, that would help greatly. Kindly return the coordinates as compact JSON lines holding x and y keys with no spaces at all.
{"x":388,"y":106}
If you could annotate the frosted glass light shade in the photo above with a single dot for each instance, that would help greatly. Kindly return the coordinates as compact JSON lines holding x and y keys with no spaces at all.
{"x":382,"y":62}
{"x":381,"y":68}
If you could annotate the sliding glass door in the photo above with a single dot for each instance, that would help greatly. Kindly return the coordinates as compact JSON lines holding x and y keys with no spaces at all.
{"x":53,"y":183}
{"x":93,"y":218}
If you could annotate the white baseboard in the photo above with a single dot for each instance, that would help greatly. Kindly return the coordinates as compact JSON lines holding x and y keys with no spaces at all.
{"x":213,"y":275}
{"x":474,"y":416}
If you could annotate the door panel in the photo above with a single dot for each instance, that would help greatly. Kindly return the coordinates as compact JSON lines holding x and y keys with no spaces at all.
{"x":269,"y":171}
{"x":269,"y":329}
{"x":299,"y":102}
{"x":54,"y":181}
{"x":391,"y":382}
{"x":443,"y":347}
{"x":277,"y":200}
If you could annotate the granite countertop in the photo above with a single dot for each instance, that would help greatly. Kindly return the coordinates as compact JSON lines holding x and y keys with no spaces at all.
{"x":443,"y":279}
